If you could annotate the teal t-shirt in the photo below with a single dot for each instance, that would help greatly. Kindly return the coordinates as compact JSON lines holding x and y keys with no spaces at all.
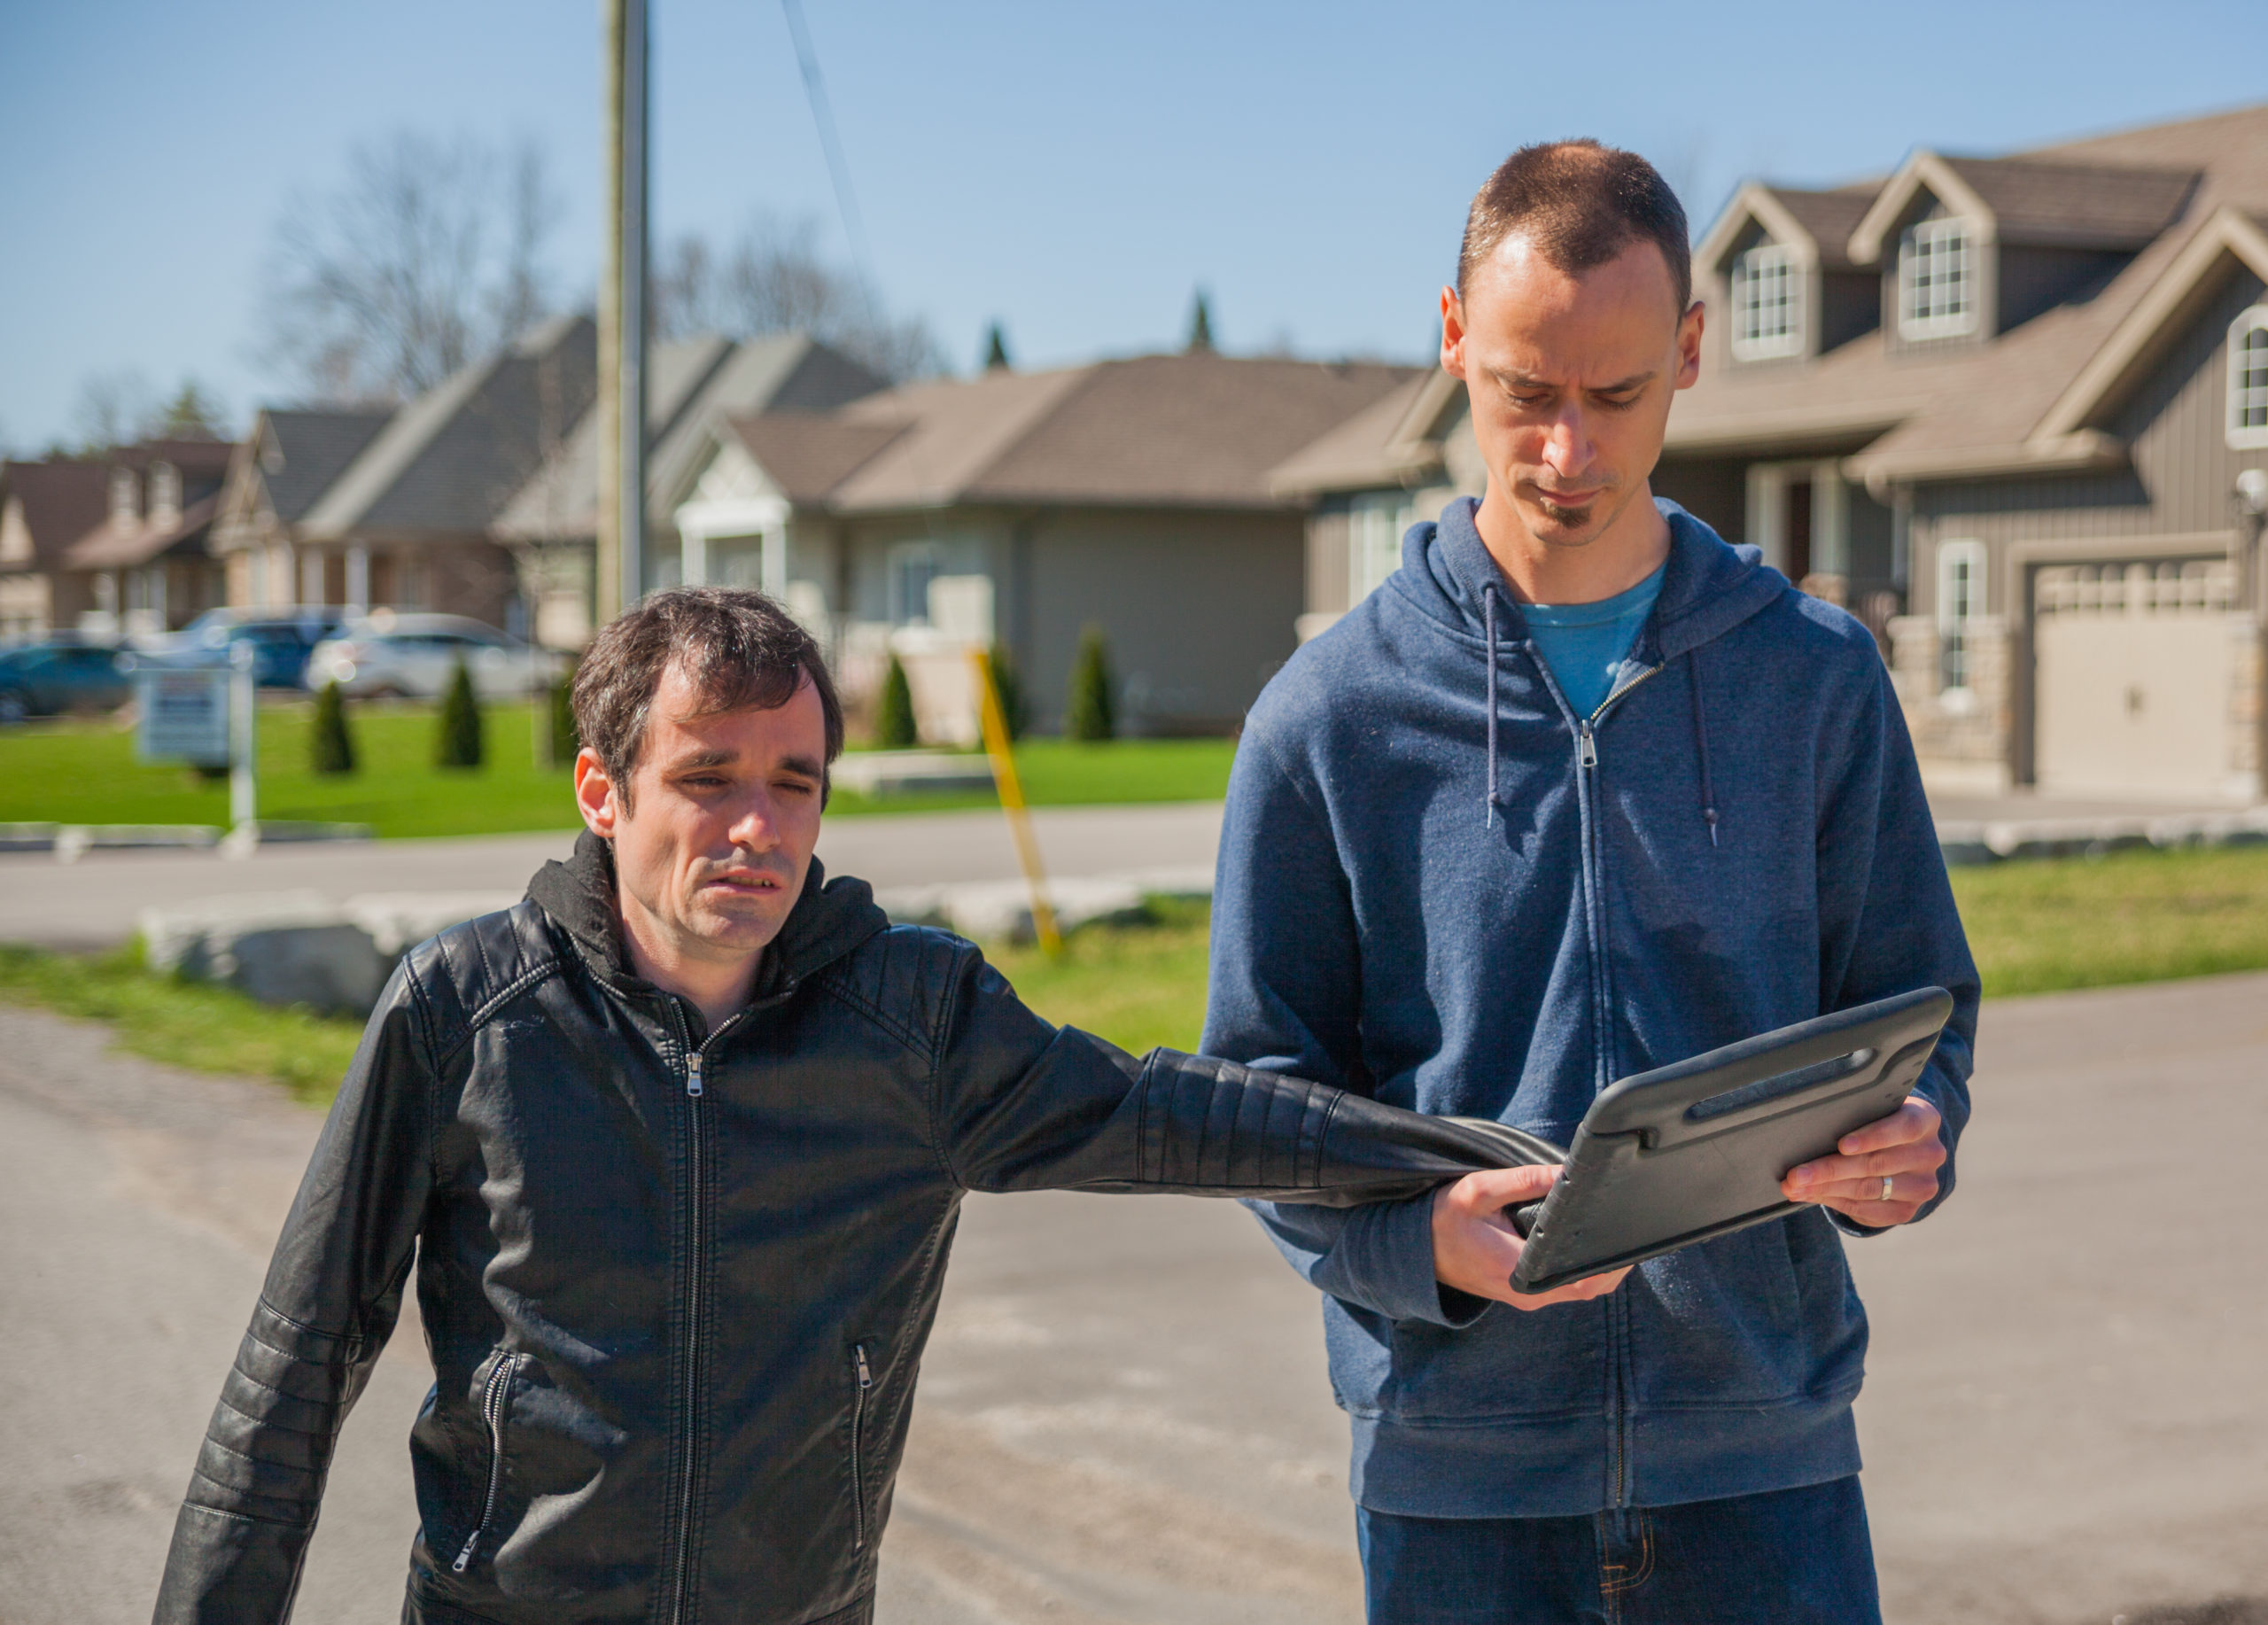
{"x":1584,"y":644}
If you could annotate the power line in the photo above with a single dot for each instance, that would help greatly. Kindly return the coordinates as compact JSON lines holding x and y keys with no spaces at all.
{"x":815,"y":90}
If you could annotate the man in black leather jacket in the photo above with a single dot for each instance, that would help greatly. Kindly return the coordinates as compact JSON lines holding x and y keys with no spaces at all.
{"x":676,"y":1148}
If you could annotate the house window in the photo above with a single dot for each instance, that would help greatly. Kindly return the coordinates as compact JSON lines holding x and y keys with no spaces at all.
{"x":1375,"y":525}
{"x":2249,"y":378}
{"x":1768,"y":304}
{"x":1960,"y":600}
{"x":1936,"y":280}
{"x":912,"y":569}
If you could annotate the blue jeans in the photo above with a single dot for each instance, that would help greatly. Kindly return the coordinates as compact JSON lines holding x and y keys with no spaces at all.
{"x":1789,"y":1557}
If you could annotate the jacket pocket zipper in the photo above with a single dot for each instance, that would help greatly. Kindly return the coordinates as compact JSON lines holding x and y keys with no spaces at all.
{"x":864,"y":1374}
{"x":492,"y":1401}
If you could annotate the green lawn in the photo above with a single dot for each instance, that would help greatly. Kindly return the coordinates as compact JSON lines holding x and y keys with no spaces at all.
{"x":2134,"y":916}
{"x":84,"y":772}
{"x":2035,"y":927}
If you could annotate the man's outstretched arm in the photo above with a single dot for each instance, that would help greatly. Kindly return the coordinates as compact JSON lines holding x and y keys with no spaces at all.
{"x":332,"y":1292}
{"x":1022,"y":1105}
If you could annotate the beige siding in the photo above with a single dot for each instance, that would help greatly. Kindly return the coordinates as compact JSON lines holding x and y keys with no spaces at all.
{"x":1327,"y":579}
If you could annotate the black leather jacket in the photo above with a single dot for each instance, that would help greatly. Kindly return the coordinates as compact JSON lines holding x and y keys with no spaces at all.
{"x":676,"y":1282}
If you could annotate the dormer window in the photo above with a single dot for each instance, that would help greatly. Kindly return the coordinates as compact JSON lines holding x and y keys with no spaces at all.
{"x":2248,"y":379}
{"x":1768,"y":304}
{"x":165,"y":493}
{"x":125,"y":498}
{"x":1936,"y":280}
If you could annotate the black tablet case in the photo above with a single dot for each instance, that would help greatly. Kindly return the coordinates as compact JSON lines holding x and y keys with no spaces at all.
{"x":1683,"y":1153}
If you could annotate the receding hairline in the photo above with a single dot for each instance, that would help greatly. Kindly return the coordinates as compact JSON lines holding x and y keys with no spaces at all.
{"x":1536,"y":243}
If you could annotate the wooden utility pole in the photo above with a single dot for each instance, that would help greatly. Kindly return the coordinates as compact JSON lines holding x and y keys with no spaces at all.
{"x":620,"y":566}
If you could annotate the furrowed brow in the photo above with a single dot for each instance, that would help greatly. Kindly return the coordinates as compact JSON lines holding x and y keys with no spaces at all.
{"x":806,"y":765}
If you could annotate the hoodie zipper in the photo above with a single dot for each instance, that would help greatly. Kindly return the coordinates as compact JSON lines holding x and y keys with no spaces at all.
{"x":863,"y":1374}
{"x":696,"y":1184}
{"x":492,"y":1399}
{"x":1603,"y":1030}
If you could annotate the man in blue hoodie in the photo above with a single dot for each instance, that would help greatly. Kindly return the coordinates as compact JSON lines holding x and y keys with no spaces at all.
{"x":1583,"y":791}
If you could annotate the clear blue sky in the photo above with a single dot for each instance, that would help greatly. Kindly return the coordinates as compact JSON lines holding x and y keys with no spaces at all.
{"x":1073,"y":169}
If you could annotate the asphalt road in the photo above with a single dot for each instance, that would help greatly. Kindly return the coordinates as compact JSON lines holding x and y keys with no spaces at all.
{"x":1123,"y":1414}
{"x":95,"y":902}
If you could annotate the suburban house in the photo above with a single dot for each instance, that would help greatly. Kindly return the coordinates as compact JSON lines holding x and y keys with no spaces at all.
{"x":480,"y":496}
{"x":1022,"y":507}
{"x":405,"y":520}
{"x":111,"y":546}
{"x":44,"y":507}
{"x":551,"y":523}
{"x":2012,"y":411}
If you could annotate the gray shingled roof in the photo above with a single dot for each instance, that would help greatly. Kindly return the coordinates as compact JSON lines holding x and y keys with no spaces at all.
{"x":1197,"y":430}
{"x":302,"y":452}
{"x":693,"y":383}
{"x":808,"y":454}
{"x":61,"y":500}
{"x":1830,"y":216}
{"x":2091,"y":205}
{"x":452,"y":459}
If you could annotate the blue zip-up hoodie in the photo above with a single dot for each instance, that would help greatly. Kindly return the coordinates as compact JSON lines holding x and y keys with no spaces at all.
{"x":1439,"y":885}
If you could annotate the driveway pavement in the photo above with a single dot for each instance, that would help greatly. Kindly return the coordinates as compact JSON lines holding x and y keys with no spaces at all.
{"x":94,"y":903}
{"x":1124,"y":1417}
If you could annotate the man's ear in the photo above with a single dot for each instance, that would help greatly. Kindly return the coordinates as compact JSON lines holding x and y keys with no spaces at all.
{"x":1689,"y":345}
{"x":594,"y":796}
{"x":1452,"y":334}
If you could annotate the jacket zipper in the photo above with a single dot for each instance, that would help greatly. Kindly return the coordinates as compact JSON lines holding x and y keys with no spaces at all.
{"x":865,"y":1376}
{"x":493,"y":1400}
{"x":1603,"y":1029}
{"x":695,"y":1178}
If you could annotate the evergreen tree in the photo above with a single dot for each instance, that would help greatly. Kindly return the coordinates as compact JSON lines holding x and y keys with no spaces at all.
{"x":331,"y":747}
{"x":456,"y":743}
{"x":894,"y":725}
{"x":191,"y":414}
{"x":1090,"y":715}
{"x":1201,"y":325}
{"x":995,"y":350}
{"x":1015,"y":715}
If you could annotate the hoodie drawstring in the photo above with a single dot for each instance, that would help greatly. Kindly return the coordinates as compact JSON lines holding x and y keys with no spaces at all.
{"x":1488,"y":616}
{"x":1701,"y":746}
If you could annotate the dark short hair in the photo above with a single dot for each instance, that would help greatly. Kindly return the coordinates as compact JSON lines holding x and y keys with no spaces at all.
{"x":739,"y":649}
{"x":1580,"y":204}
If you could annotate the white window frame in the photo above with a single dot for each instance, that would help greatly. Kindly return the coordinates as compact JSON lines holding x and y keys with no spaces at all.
{"x":904,"y":557}
{"x":1961,"y":594}
{"x":1759,"y":269}
{"x":1949,"y":242}
{"x":1376,"y":522}
{"x":2247,"y":398}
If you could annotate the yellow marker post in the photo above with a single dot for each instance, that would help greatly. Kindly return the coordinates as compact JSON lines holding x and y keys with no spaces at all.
{"x":996,"y":750}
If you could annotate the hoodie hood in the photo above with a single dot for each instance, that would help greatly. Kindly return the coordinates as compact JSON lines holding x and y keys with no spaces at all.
{"x":1709,"y":587}
{"x":830,"y":920}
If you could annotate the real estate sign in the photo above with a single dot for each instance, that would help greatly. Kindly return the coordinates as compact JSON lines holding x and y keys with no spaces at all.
{"x":184,"y":717}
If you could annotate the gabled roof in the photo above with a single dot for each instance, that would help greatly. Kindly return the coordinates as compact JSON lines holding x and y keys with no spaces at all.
{"x":807,"y":454}
{"x":1393,"y":442}
{"x":1193,"y":429}
{"x":693,"y":383}
{"x":60,"y":500}
{"x":114,"y":546}
{"x":2031,"y":200}
{"x":298,"y":453}
{"x":1816,"y":224}
{"x":1974,"y":408}
{"x":454,"y":458}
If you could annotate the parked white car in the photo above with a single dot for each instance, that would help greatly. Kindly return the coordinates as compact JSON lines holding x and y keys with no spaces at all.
{"x":414,"y":656}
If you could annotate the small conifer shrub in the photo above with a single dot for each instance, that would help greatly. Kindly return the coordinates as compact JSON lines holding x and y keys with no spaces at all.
{"x":894,"y":725}
{"x":1091,"y":715}
{"x":330,"y":743}
{"x":456,"y":742}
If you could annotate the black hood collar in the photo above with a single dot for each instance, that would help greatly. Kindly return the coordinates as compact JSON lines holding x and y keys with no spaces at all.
{"x":830,"y":918}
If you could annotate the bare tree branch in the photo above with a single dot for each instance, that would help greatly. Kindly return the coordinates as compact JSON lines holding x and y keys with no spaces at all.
{"x":402,"y":274}
{"x":773,"y":279}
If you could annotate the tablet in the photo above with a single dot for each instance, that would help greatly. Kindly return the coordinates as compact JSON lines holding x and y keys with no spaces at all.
{"x":1687,"y":1152}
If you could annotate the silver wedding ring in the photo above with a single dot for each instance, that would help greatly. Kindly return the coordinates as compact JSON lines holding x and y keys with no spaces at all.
{"x":1885,"y":1188}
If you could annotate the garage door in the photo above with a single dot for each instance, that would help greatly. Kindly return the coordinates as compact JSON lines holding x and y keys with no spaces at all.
{"x":2133,"y":677}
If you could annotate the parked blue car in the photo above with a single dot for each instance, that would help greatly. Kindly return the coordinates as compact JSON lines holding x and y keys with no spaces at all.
{"x":280,"y":642}
{"x":60,"y":674}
